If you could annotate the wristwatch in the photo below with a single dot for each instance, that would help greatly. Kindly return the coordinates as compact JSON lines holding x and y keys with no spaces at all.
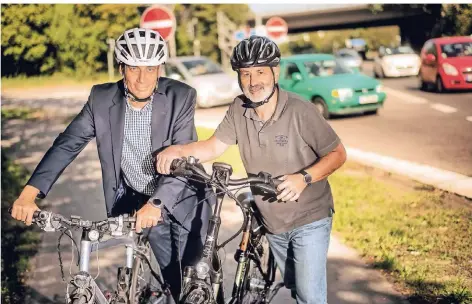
{"x":156,"y":203}
{"x":306,"y":177}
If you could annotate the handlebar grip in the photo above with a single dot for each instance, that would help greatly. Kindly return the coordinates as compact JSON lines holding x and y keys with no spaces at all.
{"x":182,"y":172}
{"x":277,"y":182}
{"x":266,"y":188}
{"x":175,"y":164}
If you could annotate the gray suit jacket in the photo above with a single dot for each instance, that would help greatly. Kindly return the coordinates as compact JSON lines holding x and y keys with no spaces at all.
{"x":103,"y":117}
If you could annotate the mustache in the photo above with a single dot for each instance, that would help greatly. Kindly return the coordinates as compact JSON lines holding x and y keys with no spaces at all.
{"x":256,"y":87}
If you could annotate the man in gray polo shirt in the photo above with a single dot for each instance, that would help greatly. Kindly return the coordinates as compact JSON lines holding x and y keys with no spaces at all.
{"x":279,"y":133}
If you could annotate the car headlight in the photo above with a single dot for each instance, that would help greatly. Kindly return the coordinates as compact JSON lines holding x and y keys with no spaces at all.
{"x":450,"y":69}
{"x":379,"y":88}
{"x":342,"y":94}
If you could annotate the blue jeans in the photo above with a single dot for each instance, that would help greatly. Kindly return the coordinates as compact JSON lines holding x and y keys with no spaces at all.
{"x":301,"y":256}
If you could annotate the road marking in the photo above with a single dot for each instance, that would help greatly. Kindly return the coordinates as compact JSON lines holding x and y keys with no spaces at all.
{"x":443,"y":108}
{"x":469,"y":118}
{"x":405,"y":97}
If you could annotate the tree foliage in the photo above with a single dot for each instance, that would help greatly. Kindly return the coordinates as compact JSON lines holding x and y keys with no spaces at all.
{"x":72,"y":38}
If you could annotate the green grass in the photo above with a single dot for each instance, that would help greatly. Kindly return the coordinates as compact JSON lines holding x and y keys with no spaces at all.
{"x":419,"y":236}
{"x":54,"y":80}
{"x":19,"y":242}
{"x":18,"y":113}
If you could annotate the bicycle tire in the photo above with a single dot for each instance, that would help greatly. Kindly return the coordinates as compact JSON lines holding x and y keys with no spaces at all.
{"x":81,"y":300}
{"x":254,"y":297}
{"x":140,"y":281}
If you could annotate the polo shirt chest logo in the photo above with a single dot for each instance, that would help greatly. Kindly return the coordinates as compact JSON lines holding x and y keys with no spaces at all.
{"x":281,"y":140}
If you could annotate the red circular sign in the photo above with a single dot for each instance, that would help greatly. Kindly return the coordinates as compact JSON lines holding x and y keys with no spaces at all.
{"x":160,"y":19}
{"x":276,"y":28}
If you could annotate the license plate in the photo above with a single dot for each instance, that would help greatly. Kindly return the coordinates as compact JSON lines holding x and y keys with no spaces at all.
{"x":368,"y":99}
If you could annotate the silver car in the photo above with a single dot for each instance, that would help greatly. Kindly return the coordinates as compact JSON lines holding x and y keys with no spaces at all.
{"x":214,"y":86}
{"x":349,"y":58}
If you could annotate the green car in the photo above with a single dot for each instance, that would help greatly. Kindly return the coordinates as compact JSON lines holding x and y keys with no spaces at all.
{"x":332,"y":87}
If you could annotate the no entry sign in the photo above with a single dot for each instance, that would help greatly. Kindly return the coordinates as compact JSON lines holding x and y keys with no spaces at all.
{"x":160,"y":19}
{"x":276,"y":28}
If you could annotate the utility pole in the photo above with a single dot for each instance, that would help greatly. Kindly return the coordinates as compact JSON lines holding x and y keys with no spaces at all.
{"x":193,"y":30}
{"x":111,"y":50}
{"x":226,"y":40}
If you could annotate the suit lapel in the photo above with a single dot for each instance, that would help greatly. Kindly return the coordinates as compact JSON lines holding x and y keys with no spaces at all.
{"x":117,"y":126}
{"x":159,"y":130}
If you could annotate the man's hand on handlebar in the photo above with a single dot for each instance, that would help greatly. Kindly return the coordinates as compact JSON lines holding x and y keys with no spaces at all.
{"x":23,"y":210}
{"x":291,"y":187}
{"x":165,"y":158}
{"x":147,"y":217}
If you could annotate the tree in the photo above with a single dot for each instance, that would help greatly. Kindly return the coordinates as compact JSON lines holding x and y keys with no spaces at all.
{"x":72,"y":38}
{"x":206,"y":29}
{"x":25,"y":44}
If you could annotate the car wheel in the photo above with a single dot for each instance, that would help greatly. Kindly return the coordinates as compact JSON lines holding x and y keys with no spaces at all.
{"x":321,"y":106}
{"x":439,"y":85}
{"x":375,"y":74}
{"x":421,"y":83}
{"x":373,"y":112}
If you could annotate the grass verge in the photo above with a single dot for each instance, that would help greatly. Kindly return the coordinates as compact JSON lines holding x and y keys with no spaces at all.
{"x":54,"y":80}
{"x":19,"y":242}
{"x":420,"y":237}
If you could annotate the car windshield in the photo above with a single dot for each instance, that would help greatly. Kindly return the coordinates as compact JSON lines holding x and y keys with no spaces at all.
{"x":325,"y":68}
{"x":348,"y":53}
{"x":201,"y":67}
{"x":399,"y":50}
{"x":459,"y":49}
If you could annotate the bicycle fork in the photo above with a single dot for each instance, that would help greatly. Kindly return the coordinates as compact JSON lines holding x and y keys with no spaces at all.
{"x":196,"y":288}
{"x":83,"y":284}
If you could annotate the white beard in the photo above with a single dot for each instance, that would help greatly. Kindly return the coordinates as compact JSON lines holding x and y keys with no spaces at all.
{"x":255,"y":99}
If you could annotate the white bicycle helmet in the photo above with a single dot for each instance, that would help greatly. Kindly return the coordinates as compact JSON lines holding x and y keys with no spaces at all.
{"x":141,"y":47}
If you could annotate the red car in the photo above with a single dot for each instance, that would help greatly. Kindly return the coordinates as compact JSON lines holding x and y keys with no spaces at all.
{"x":446,"y":64}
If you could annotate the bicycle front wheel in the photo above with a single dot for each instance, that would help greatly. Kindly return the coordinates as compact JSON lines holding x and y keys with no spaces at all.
{"x":143,"y":285}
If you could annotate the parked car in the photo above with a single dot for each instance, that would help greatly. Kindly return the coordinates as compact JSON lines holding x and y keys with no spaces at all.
{"x":446,"y":64}
{"x":396,"y":62}
{"x":332,"y":87}
{"x":214,"y":86}
{"x":350,"y":58}
{"x":359,"y":45}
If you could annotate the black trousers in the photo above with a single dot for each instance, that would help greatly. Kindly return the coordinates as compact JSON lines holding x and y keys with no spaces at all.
{"x":169,"y":241}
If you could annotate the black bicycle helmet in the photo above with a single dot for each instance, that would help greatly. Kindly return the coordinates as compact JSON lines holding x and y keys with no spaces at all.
{"x":255,"y":51}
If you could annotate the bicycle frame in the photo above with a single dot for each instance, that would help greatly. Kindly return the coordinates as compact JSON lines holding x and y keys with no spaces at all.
{"x":248,"y":252}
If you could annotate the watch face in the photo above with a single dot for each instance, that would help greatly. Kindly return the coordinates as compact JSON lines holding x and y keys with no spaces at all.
{"x":307,"y":178}
{"x":157,"y":202}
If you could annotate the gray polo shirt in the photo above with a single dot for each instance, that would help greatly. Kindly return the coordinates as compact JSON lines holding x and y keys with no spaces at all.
{"x":294,"y":139}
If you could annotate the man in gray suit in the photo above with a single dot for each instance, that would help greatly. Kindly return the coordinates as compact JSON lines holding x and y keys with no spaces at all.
{"x":130,"y":120}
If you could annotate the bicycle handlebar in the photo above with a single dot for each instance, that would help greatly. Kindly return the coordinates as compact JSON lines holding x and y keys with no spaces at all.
{"x":114,"y":226}
{"x":264,"y":181}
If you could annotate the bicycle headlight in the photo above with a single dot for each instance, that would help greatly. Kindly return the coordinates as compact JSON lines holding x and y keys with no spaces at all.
{"x":202,"y":269}
{"x":93,"y":235}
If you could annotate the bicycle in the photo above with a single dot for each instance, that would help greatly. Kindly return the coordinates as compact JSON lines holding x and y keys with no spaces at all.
{"x":134,"y":279}
{"x":202,"y":283}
